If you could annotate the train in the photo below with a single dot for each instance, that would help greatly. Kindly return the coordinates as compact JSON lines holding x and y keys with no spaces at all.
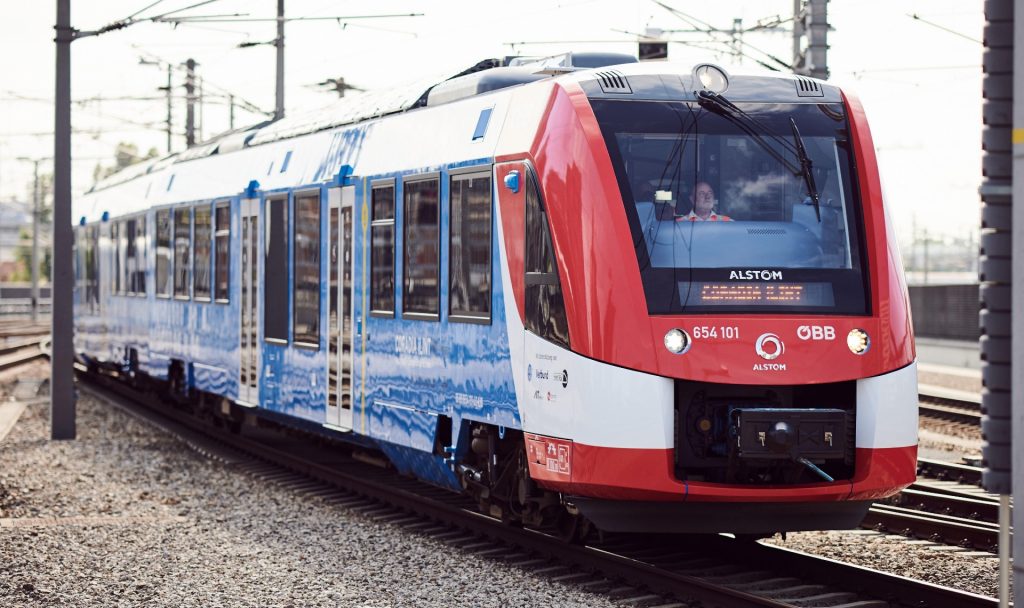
{"x":586,"y":291}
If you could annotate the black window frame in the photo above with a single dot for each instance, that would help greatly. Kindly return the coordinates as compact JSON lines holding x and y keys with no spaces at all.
{"x":307,"y":340}
{"x":221,"y":266}
{"x":378,"y":224}
{"x":419,"y":315}
{"x":167,"y":256}
{"x":208,"y":295}
{"x":469,"y":315}
{"x":276,"y":278}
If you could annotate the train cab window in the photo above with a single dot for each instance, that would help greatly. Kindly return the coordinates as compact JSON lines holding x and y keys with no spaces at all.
{"x":469,"y":250}
{"x":202,"y":259}
{"x":275,"y":269}
{"x":545,"y":307}
{"x":163,"y":253}
{"x":306,"y":274}
{"x":382,"y":256}
{"x":222,"y":247}
{"x":750,"y":210}
{"x":421,"y":219}
{"x":182,"y":252}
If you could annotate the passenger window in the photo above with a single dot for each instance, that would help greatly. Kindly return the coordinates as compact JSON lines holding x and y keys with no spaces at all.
{"x":307,"y":269}
{"x":469,"y":251}
{"x":163,"y":253}
{"x":201,"y":269}
{"x":118,"y":249}
{"x":420,"y":285}
{"x":222,"y":245}
{"x":545,"y":308}
{"x":182,"y":251}
{"x":382,"y":257}
{"x":139,"y":275}
{"x":275,"y":269}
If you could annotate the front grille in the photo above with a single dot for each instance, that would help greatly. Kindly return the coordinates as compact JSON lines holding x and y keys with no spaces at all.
{"x":707,"y":446}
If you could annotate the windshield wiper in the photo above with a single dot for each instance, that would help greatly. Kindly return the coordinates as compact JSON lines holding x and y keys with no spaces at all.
{"x":727,"y":109}
{"x":806,"y":167}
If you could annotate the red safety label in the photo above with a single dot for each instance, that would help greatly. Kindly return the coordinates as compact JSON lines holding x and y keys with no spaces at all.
{"x":549,"y":458}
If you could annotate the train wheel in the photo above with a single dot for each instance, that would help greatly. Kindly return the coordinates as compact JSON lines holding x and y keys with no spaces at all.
{"x":572,"y":528}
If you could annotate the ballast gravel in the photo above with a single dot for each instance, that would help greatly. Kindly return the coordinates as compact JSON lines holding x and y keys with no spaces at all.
{"x":127,"y":515}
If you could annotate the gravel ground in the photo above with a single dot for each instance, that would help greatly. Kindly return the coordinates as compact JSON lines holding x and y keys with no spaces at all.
{"x":977,"y":572}
{"x":127,"y":516}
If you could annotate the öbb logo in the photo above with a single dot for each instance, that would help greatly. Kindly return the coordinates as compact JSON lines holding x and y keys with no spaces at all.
{"x":816,"y":332}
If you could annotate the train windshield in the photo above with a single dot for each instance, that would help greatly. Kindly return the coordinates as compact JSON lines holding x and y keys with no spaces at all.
{"x":728,"y":213}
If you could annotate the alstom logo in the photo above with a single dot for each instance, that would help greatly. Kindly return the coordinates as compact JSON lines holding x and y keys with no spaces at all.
{"x":755,"y":275}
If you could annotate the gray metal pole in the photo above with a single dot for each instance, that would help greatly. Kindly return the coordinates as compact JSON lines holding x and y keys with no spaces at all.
{"x":62,"y":388}
{"x":1015,"y":16}
{"x":190,"y":103}
{"x":817,"y":50}
{"x":231,"y":112}
{"x":35,"y":241}
{"x":798,"y":34}
{"x":170,"y":93}
{"x":279,"y":43}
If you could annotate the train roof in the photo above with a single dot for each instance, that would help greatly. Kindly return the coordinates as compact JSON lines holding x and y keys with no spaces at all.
{"x":608,"y":75}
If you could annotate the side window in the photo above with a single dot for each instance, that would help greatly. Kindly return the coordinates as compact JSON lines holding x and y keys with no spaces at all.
{"x":203,"y":242}
{"x":118,"y":251}
{"x":141,"y":247}
{"x":306,"y":275}
{"x":182,"y":251}
{"x":130,"y":258}
{"x":275,"y":269}
{"x":163,"y":253}
{"x":382,"y":257}
{"x":92,"y":268}
{"x":469,"y":251}
{"x":545,"y":308}
{"x":421,"y":231}
{"x":222,"y":245}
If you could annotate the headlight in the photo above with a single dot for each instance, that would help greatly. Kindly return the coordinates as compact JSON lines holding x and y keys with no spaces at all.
{"x":858,"y":341}
{"x":677,"y":341}
{"x":711,"y":77}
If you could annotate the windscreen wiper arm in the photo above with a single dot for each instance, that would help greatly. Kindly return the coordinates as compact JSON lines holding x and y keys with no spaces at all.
{"x":806,"y":167}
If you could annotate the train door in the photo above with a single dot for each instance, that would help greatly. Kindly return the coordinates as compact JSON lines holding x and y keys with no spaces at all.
{"x":340,"y":308}
{"x":248,"y":385}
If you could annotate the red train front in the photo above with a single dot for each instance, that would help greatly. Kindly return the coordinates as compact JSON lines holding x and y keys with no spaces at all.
{"x":710,"y":328}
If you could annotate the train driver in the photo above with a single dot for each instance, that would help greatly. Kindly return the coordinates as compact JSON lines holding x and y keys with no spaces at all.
{"x":703,"y":200}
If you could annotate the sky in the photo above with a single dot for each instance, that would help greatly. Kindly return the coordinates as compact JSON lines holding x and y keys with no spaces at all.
{"x":918,"y":78}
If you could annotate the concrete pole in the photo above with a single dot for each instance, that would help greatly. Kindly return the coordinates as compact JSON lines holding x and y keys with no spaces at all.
{"x":170,"y":107}
{"x":62,"y":387}
{"x":190,"y":103}
{"x":817,"y":50}
{"x":279,"y":44}
{"x":35,"y":241}
{"x":798,"y":34}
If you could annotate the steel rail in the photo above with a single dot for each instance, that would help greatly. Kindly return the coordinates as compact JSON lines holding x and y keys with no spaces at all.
{"x":949,"y":404}
{"x":950,"y":471}
{"x":940,"y":528}
{"x":658,"y":566}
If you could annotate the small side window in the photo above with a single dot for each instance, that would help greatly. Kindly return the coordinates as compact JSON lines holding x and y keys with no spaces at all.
{"x":182,"y":252}
{"x":222,"y":245}
{"x":163,"y":253}
{"x":203,"y":243}
{"x":545,"y":307}
{"x":306,"y":273}
{"x":469,"y":251}
{"x":275,"y":270}
{"x":382,"y":257}
{"x":421,"y":298}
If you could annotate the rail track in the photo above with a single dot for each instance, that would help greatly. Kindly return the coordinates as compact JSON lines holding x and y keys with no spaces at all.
{"x":949,"y":404}
{"x":20,"y":352}
{"x":948,"y":508}
{"x":637,"y":571}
